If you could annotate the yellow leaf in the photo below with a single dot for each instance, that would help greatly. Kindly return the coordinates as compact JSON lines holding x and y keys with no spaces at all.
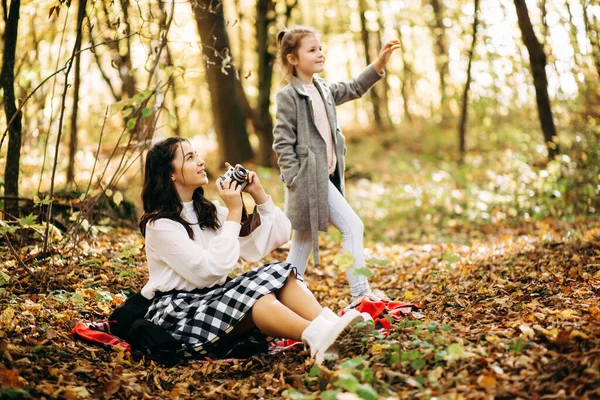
{"x":408,"y":295}
{"x":7,"y":317}
{"x":486,"y":381}
{"x":118,"y":198}
{"x":435,"y":374}
{"x":344,"y":260}
{"x":376,"y":348}
{"x":575,"y":333}
{"x":492,"y":339}
{"x":568,"y":314}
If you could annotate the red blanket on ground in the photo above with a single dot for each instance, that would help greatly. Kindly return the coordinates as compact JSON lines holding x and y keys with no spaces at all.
{"x":378,"y":309}
{"x":98,"y":332}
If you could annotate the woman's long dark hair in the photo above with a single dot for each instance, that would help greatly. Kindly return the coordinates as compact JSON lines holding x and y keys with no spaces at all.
{"x":160,"y":197}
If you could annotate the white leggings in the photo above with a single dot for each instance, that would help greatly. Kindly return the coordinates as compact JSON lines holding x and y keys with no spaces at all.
{"x":343,"y":217}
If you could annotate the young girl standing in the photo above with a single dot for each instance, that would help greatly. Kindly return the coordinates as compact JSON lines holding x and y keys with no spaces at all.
{"x":310,"y":149}
{"x":192,"y":245}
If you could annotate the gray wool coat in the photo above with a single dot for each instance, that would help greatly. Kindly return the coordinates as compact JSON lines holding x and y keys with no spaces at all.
{"x":302,"y":151}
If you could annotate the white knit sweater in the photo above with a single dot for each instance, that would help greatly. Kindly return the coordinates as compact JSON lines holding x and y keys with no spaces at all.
{"x":177,"y":262}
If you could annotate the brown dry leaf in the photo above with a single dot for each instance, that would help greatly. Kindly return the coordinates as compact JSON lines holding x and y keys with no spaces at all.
{"x":75,"y":392}
{"x":10,"y":379}
{"x":111,"y":387}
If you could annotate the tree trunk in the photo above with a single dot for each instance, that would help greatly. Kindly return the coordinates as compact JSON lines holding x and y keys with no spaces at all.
{"x":7,"y":81}
{"x":76,"y":85}
{"x":289,"y":8}
{"x":441,"y":53}
{"x":165,"y":26}
{"x":537,"y":59}
{"x":125,"y":66}
{"x":240,"y":34}
{"x":545,"y":32}
{"x":593,"y":37}
{"x":265,"y":17}
{"x":573,"y":31}
{"x":120,"y":58}
{"x":364,"y":33}
{"x":545,"y":29}
{"x":228,"y":115}
{"x":462,"y":130}
{"x":385,"y":103}
{"x":406,"y":76}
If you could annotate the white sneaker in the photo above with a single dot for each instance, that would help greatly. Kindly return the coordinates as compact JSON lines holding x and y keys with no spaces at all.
{"x":321,"y":335}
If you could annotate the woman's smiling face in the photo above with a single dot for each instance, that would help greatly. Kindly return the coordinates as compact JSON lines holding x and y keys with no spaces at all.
{"x":188,"y":169}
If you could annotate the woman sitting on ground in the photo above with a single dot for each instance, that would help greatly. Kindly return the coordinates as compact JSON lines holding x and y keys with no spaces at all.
{"x":192,"y":244}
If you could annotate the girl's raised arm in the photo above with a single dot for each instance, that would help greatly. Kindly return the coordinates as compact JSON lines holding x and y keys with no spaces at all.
{"x":355,"y":88}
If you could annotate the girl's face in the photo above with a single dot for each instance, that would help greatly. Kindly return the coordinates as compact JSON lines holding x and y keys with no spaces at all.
{"x":188,"y":169}
{"x":310,"y":59}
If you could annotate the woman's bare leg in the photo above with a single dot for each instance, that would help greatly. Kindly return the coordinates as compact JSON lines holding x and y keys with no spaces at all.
{"x":298,"y":298}
{"x":275,"y":319}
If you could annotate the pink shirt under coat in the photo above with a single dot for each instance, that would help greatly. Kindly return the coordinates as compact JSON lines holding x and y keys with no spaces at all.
{"x":320,"y":116}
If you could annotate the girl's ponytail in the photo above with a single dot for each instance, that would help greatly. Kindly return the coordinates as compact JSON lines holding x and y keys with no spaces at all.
{"x":280,"y":36}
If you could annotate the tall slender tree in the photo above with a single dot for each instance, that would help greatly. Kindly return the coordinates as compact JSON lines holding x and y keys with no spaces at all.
{"x":441,"y":52}
{"x":119,"y":52}
{"x":573,"y":33}
{"x":406,"y":75}
{"x":13,"y":117}
{"x":265,"y":18}
{"x":364,"y":35}
{"x":462,"y":128}
{"x":228,"y":114}
{"x":385,"y":87}
{"x":76,"y":84}
{"x":537,"y":60}
{"x":592,"y":34}
{"x":169,"y":61}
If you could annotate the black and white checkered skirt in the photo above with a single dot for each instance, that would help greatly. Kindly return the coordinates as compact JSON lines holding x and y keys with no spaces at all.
{"x":202,"y":317}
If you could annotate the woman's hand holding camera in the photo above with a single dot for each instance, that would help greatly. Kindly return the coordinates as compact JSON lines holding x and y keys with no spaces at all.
{"x":231,"y":193}
{"x":254,"y":187}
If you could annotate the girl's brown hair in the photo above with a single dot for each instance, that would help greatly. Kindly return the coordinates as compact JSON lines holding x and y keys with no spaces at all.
{"x":288,"y":42}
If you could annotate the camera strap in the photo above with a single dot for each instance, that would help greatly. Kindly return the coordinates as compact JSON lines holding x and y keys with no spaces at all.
{"x":249,"y":221}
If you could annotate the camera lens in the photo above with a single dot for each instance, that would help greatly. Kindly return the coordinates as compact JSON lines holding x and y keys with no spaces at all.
{"x":240,"y":174}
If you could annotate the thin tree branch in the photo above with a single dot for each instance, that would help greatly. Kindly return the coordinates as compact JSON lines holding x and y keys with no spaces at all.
{"x":62,"y":37}
{"x":99,"y":63}
{"x":69,"y":61}
{"x":60,"y":123}
{"x":16,"y":255}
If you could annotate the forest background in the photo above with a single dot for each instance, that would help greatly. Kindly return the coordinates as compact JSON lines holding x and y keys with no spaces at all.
{"x":475,"y":160}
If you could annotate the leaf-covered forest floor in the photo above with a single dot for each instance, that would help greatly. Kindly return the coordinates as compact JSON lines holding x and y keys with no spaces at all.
{"x":508,"y":282}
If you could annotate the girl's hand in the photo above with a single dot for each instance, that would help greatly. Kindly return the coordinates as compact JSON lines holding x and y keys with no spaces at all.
{"x":385,"y":53}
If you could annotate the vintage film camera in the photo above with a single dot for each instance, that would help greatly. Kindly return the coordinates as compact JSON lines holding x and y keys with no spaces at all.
{"x":239,"y":175}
